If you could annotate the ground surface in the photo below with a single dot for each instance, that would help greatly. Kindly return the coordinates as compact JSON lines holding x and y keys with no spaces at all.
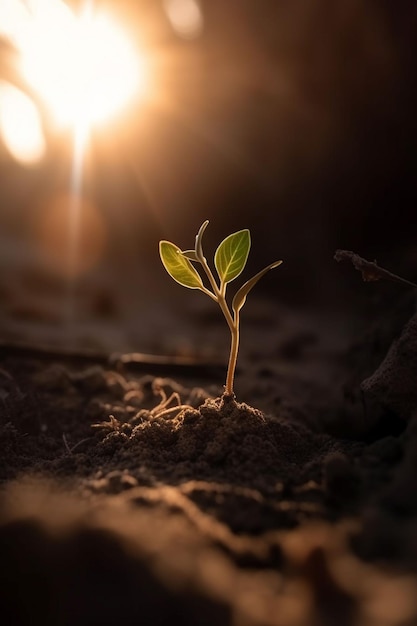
{"x":119,"y":507}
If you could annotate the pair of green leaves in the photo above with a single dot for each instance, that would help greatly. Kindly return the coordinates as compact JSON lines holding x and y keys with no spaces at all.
{"x":230,"y":259}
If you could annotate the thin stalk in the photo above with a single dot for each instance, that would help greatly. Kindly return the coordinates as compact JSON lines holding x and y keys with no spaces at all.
{"x":220,"y":298}
{"x":208,"y":292}
{"x":233,"y":323}
{"x":225,"y":310}
{"x":210,"y":276}
{"x":234,"y":348}
{"x":370,"y":269}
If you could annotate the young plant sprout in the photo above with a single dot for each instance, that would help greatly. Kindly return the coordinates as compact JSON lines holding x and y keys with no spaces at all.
{"x":229,"y":260}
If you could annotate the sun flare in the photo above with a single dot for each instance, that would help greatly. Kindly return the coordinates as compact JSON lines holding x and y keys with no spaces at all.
{"x":83,"y":67}
{"x":20,"y":125}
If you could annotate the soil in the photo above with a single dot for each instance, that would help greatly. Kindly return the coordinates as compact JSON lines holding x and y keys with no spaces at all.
{"x":133,"y":491}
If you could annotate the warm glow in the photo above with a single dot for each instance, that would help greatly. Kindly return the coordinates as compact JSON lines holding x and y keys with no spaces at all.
{"x":52,"y":229}
{"x":20,"y":125}
{"x":83,"y":67}
{"x":185,"y":16}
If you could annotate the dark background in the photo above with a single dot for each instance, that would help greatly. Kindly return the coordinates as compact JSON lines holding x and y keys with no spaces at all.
{"x":296,"y":119}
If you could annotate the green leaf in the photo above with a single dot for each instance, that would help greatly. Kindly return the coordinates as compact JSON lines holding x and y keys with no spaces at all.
{"x":178,"y":266}
{"x":240,"y":296}
{"x":231,"y":255}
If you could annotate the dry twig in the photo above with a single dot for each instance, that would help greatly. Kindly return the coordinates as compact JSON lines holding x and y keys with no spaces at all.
{"x":370,"y":269}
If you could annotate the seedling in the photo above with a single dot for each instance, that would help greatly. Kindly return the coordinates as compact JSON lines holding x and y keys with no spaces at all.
{"x":229,"y":260}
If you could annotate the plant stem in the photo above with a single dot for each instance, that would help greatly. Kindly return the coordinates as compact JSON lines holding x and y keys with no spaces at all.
{"x":233,"y":323}
{"x":234,"y":348}
{"x":220,"y":297}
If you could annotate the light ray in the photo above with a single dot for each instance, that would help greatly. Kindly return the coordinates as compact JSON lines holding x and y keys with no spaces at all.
{"x":84,"y":70}
{"x":74,"y":218}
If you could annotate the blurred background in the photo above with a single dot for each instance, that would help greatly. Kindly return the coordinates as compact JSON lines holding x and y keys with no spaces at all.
{"x":125,"y":122}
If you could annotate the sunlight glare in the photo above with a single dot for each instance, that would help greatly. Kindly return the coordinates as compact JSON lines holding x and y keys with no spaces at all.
{"x":83,"y":67}
{"x":20,"y":125}
{"x":185,"y":16}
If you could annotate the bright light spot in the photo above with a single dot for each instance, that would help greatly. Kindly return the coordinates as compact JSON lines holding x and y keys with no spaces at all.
{"x":185,"y":16}
{"x":20,"y":125}
{"x":83,"y":67}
